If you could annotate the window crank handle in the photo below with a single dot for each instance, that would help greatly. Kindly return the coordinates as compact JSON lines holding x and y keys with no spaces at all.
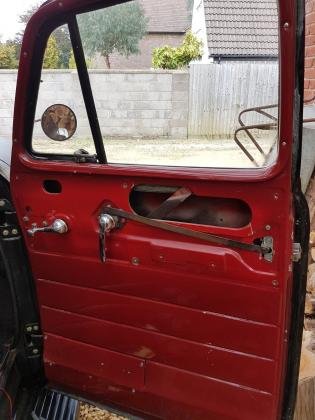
{"x":107,"y":224}
{"x":59,"y":226}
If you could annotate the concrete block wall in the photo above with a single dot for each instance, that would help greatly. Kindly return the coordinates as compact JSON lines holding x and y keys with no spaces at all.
{"x":129,"y":103}
{"x":7,"y":98}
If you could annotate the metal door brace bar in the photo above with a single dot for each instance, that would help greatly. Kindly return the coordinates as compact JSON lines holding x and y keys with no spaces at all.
{"x":177,"y":198}
{"x":261,"y":249}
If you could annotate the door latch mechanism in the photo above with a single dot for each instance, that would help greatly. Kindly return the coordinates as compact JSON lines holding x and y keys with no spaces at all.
{"x":107,"y":223}
{"x":296,"y":252}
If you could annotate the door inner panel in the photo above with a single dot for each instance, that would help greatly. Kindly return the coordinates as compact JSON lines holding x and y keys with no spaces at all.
{"x":164,"y":313}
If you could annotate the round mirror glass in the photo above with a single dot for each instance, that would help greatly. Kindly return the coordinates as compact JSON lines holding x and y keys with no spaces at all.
{"x":59,"y":122}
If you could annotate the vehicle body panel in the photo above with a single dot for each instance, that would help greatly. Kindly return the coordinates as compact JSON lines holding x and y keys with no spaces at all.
{"x":169,"y":327}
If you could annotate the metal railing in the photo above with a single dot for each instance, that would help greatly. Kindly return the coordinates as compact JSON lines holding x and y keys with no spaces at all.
{"x":262,"y":111}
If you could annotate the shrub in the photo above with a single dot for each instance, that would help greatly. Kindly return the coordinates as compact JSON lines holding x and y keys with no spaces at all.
{"x":7,"y":57}
{"x":176,"y":58}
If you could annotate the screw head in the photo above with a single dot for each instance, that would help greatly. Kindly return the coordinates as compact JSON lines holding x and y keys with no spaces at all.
{"x":35,"y":351}
{"x":275,"y":283}
{"x":5,"y":232}
{"x":2,"y":203}
{"x":135,"y":261}
{"x":26,"y":219}
{"x":15,"y":231}
{"x":29,"y":329}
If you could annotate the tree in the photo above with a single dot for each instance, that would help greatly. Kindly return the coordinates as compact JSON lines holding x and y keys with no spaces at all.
{"x":72,"y":63}
{"x":15,"y":43}
{"x":61,"y":36}
{"x":7,"y":57}
{"x":51,"y":58}
{"x":176,"y":58}
{"x":114,"y":29}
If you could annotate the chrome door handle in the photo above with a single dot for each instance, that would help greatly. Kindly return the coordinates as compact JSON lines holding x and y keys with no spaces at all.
{"x":107,"y":224}
{"x":59,"y":226}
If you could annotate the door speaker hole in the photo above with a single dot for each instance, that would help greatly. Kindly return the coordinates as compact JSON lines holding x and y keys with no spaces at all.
{"x":52,"y":187}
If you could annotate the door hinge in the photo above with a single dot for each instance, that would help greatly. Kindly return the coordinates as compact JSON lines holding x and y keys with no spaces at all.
{"x":296,"y":252}
{"x":33,"y":340}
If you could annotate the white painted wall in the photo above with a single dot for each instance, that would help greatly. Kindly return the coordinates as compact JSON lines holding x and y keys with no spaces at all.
{"x":199,"y":28}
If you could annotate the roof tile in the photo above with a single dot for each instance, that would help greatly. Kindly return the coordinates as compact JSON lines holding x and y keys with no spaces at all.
{"x":242,"y":27}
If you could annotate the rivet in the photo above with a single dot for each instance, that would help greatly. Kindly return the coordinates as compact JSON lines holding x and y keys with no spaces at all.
{"x":2,"y":203}
{"x":286,"y":25}
{"x":26,"y":219}
{"x":15,"y":141}
{"x":284,"y":143}
{"x":25,"y":54}
{"x":161,"y":257}
{"x":16,"y":178}
{"x":135,"y":261}
{"x":35,"y":351}
{"x":276,"y":196}
{"x":60,"y":4}
{"x":133,"y":391}
{"x":268,"y":227}
{"x":125,"y":186}
{"x":29,"y":329}
{"x":275,"y":283}
{"x":15,"y":231}
{"x":5,"y":233}
{"x":45,"y":223}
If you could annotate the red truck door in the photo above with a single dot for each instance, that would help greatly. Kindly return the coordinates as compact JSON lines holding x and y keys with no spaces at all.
{"x":145,"y":303}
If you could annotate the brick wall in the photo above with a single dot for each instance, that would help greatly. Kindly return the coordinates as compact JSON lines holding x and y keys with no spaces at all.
{"x":310,"y":50}
{"x":144,"y":59}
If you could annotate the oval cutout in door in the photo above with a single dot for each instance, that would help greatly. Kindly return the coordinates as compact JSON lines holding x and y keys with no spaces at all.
{"x":147,"y":200}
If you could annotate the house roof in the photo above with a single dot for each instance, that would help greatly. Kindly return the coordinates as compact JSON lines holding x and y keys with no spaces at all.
{"x":242,"y":27}
{"x":167,"y":16}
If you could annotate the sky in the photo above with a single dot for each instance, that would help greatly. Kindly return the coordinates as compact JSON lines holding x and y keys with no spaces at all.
{"x":9,"y":16}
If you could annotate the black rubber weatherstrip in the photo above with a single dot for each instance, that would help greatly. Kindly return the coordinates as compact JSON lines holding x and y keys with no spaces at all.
{"x":86,"y":89}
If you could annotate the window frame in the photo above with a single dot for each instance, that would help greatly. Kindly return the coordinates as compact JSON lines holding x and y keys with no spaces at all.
{"x":287,"y":101}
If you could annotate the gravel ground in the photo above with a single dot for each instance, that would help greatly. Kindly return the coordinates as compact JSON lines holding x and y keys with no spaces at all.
{"x":89,"y":412}
{"x":193,"y":152}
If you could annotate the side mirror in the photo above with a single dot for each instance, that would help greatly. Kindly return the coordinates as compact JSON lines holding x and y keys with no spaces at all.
{"x":59,"y":122}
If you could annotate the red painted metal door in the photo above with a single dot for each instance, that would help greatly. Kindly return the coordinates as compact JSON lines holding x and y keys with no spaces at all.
{"x":169,"y":326}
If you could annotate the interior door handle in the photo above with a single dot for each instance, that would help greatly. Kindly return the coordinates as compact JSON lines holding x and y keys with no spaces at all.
{"x":59,"y":226}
